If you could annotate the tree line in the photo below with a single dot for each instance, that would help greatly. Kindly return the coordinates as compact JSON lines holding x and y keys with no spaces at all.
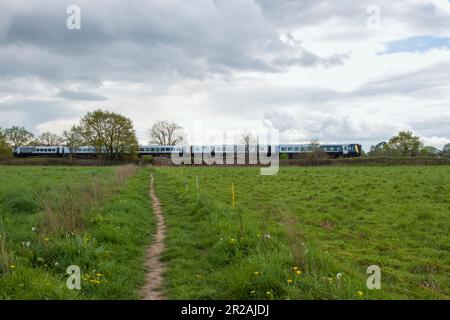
{"x":406,"y":144}
{"x":111,"y":134}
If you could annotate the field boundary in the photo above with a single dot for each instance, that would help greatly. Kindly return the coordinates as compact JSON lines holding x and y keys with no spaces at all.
{"x":165,"y":162}
{"x":156,"y":268}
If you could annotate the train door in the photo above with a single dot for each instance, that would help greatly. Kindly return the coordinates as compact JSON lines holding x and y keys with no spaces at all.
{"x":345,"y":150}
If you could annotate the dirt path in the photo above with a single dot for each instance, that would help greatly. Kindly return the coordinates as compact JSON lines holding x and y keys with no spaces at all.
{"x":154,"y":277}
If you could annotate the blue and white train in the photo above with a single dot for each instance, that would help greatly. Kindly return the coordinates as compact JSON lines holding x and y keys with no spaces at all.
{"x":291,"y":150}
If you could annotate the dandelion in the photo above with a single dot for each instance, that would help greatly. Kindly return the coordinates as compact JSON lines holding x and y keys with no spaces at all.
{"x":295,"y":268}
{"x":289,"y":281}
{"x":268,"y":293}
{"x":339,"y":275}
{"x":253,"y":292}
{"x":12,"y":266}
{"x":330,"y":279}
{"x":359,"y":293}
{"x":98,"y":274}
{"x":56,"y":264}
{"x":46,"y":239}
{"x":34,"y":229}
{"x":199,"y":276}
{"x":298,"y":272}
{"x":267,"y":236}
{"x":232,"y":240}
{"x":257,"y":273}
{"x":28,"y":243}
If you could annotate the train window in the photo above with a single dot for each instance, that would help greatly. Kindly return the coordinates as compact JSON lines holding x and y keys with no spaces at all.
{"x":283,"y":149}
{"x":290,"y":149}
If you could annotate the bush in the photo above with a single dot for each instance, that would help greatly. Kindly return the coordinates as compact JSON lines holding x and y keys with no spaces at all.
{"x":148,"y":159}
{"x":19,"y":200}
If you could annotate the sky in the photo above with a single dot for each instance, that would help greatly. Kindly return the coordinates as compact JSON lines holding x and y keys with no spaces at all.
{"x":339,"y":71}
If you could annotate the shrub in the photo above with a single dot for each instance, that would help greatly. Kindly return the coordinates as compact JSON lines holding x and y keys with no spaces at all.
{"x":19,"y":200}
{"x":148,"y":159}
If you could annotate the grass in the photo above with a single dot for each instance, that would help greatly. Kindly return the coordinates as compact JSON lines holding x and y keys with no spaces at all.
{"x":306,"y":233}
{"x":52,"y":217}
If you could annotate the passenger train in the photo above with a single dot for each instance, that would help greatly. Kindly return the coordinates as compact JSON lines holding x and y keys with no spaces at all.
{"x":291,"y":150}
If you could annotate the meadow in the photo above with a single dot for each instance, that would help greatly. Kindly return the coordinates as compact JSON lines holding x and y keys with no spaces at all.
{"x":306,"y":233}
{"x":52,"y":217}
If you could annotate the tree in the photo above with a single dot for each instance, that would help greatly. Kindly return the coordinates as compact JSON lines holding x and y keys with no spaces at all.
{"x":381,"y":149}
{"x":73,"y":139}
{"x":50,"y":139}
{"x":16,"y":136}
{"x":405,"y":144}
{"x":247,"y":140}
{"x":5,"y":148}
{"x":429,"y":151}
{"x":109,"y":132}
{"x":166,"y":133}
{"x":446,"y":150}
{"x":315,"y":145}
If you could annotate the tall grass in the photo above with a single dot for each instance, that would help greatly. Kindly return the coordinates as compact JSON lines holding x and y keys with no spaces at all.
{"x":5,"y":261}
{"x":64,"y":209}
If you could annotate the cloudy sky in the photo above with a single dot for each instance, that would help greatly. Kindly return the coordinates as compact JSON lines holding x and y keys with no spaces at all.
{"x":337,"y":71}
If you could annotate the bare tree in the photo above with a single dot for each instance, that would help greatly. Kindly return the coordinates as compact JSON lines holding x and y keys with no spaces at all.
{"x":166,"y":133}
{"x":16,"y":136}
{"x":73,"y":139}
{"x":50,"y":139}
{"x":315,"y":145}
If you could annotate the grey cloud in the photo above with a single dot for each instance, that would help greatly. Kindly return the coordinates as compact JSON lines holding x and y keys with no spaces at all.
{"x":432,"y":80}
{"x":80,"y":95}
{"x":30,"y":113}
{"x":416,"y":17}
{"x":143,"y":41}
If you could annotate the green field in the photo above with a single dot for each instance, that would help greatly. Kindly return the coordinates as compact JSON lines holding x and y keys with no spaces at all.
{"x":306,"y":233}
{"x":323,"y":221}
{"x":51,"y":217}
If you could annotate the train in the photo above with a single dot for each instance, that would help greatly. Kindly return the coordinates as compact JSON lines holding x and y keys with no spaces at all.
{"x":290,"y":150}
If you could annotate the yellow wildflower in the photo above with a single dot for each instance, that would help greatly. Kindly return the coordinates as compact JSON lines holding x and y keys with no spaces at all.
{"x":359,"y":293}
{"x":289,"y":281}
{"x":298,"y":272}
{"x":12,"y":266}
{"x":257,"y":273}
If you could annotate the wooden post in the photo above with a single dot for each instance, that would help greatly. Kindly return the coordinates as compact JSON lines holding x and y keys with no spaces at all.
{"x":233,"y":196}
